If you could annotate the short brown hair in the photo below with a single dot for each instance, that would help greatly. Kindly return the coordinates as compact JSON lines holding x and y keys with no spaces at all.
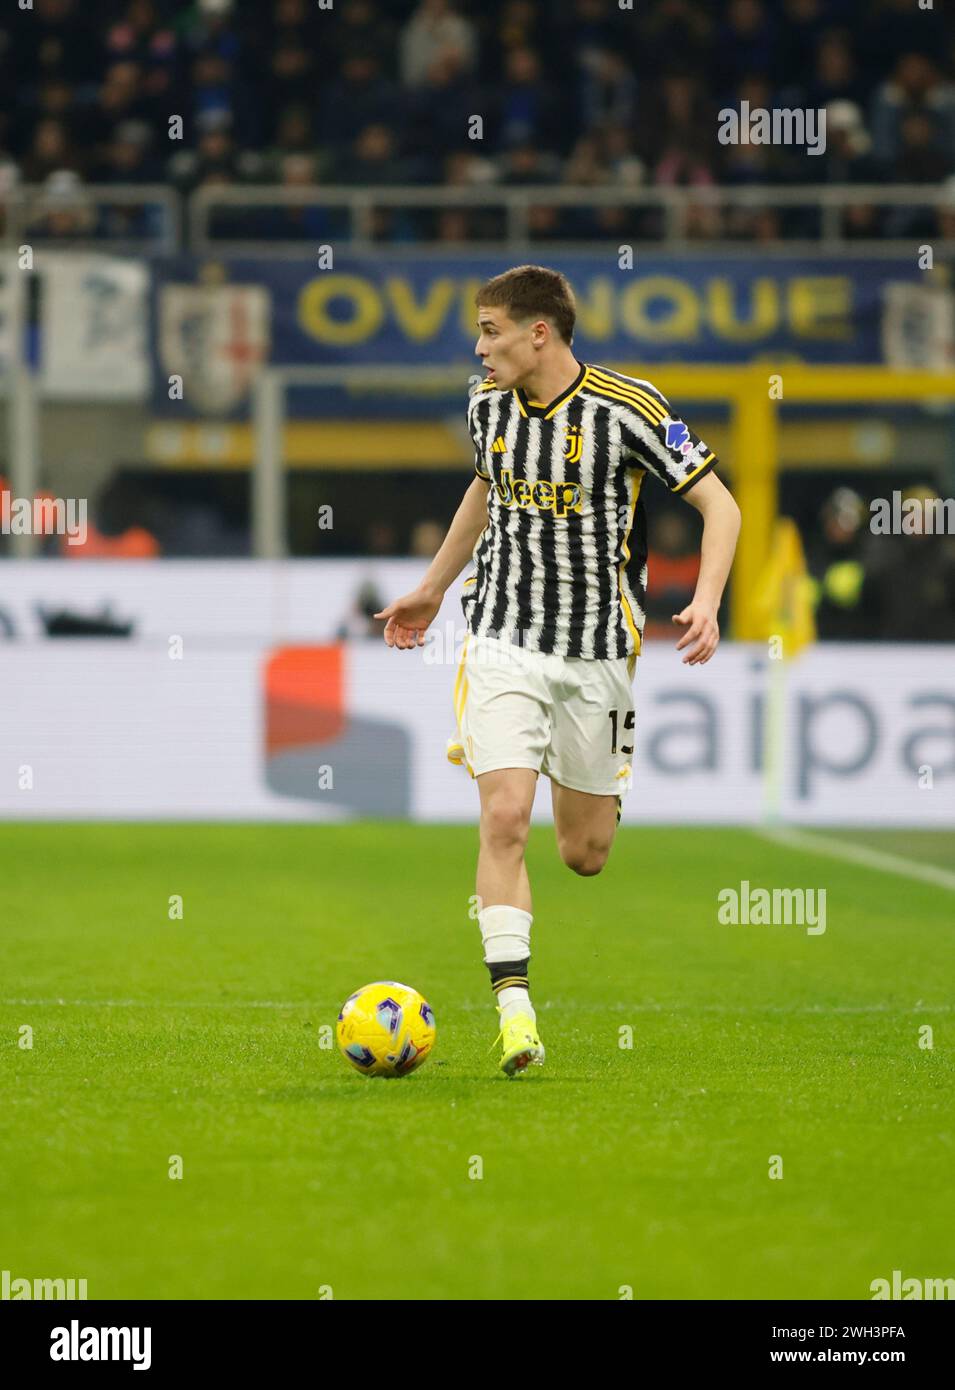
{"x":533,"y":291}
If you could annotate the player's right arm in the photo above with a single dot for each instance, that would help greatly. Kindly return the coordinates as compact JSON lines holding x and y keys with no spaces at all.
{"x":408,"y":618}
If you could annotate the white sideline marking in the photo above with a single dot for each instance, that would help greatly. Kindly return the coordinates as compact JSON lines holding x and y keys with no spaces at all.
{"x":160,"y":1003}
{"x":877,"y":859}
{"x":619,"y":1007}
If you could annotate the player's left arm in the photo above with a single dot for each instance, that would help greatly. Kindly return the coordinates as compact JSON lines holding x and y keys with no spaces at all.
{"x":721,"y":523}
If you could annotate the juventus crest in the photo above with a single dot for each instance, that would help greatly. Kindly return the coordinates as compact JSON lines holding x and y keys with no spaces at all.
{"x":575,"y":444}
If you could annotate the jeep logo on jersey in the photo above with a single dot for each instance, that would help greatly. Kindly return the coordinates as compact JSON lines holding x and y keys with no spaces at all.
{"x":575,"y":444}
{"x":559,"y":498}
{"x":678,"y":437}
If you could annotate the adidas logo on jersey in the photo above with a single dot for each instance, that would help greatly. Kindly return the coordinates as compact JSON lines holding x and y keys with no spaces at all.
{"x":499,"y":447}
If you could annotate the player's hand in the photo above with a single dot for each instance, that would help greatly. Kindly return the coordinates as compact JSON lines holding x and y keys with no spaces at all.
{"x":408,"y":618}
{"x":702,"y":633}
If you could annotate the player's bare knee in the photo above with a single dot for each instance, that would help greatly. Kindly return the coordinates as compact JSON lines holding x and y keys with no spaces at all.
{"x":585,"y":859}
{"x":504,"y":823}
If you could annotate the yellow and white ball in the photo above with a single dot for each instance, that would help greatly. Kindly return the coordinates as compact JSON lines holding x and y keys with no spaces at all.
{"x":385,"y":1029}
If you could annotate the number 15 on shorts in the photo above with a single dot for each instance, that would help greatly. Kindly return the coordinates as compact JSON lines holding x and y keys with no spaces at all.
{"x":613,"y":716}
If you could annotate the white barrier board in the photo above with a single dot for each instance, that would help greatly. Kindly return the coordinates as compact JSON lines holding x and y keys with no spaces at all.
{"x":234,"y":696}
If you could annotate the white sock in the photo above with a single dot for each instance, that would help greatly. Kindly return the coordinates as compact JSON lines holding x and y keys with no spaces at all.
{"x":514,"y":1000}
{"x":506,"y":934}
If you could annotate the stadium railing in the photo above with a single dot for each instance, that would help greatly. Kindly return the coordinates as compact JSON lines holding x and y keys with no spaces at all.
{"x":676,"y":205}
{"x":170,"y":222}
{"x":141,"y":219}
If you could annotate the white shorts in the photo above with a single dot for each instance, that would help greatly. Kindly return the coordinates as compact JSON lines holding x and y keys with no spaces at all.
{"x":569,"y":718}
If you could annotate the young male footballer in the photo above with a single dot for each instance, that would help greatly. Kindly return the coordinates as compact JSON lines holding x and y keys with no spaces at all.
{"x":555,"y":526}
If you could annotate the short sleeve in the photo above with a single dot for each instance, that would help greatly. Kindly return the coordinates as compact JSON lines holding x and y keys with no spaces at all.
{"x":476,"y":431}
{"x":656,"y":439}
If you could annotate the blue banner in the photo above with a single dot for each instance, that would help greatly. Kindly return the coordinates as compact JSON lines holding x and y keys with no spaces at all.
{"x":214,"y":322}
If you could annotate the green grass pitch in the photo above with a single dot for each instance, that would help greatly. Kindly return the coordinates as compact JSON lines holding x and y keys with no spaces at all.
{"x":645,"y":1167}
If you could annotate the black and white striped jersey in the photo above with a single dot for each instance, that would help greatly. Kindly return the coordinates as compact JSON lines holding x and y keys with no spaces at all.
{"x":563,"y":558}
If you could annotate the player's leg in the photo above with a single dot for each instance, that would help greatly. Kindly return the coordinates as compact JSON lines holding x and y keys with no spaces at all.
{"x":504,"y":914}
{"x":504,"y":727}
{"x":589,"y":757}
{"x":585,"y":825}
{"x":507,"y":799}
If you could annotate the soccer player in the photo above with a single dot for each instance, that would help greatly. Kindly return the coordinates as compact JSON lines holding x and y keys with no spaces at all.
{"x":555,"y":526}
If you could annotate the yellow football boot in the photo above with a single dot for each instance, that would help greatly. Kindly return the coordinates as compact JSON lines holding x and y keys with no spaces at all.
{"x":522,"y":1046}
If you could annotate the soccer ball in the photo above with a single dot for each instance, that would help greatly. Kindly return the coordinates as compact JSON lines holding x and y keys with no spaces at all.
{"x":385,"y":1029}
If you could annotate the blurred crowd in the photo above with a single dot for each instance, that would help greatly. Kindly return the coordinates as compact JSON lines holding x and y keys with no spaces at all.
{"x":895,"y":588}
{"x":377,"y":92}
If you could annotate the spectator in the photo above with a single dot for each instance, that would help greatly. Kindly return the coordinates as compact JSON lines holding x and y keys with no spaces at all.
{"x":624,"y":166}
{"x":120,"y":98}
{"x":128,"y":159}
{"x":683,"y":165}
{"x":680,"y":29}
{"x":836,"y":559}
{"x":835,"y":73}
{"x":751,"y":163}
{"x":526,"y":164}
{"x":744,"y":43}
{"x":293,"y":132}
{"x":364,"y":31}
{"x":360,"y":97}
{"x":438,"y":112}
{"x":374,"y":161}
{"x":381,"y":538}
{"x":587,"y":164}
{"x":468,"y":168}
{"x":57,"y":40}
{"x":51,"y":151}
{"x":803,"y":22}
{"x":214,"y":159}
{"x":527,"y":109}
{"x":898,"y":26}
{"x":920,"y":160}
{"x":911,"y":583}
{"x":518,"y":25}
{"x":56,"y":100}
{"x":915,"y":88}
{"x":434,"y":31}
{"x":608,"y":90}
{"x":595,"y":26}
{"x":140,"y":37}
{"x":454,"y":224}
{"x":427,"y":537}
{"x":291,"y":72}
{"x":308,"y":222}
{"x":847,"y":157}
{"x":673,"y":565}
